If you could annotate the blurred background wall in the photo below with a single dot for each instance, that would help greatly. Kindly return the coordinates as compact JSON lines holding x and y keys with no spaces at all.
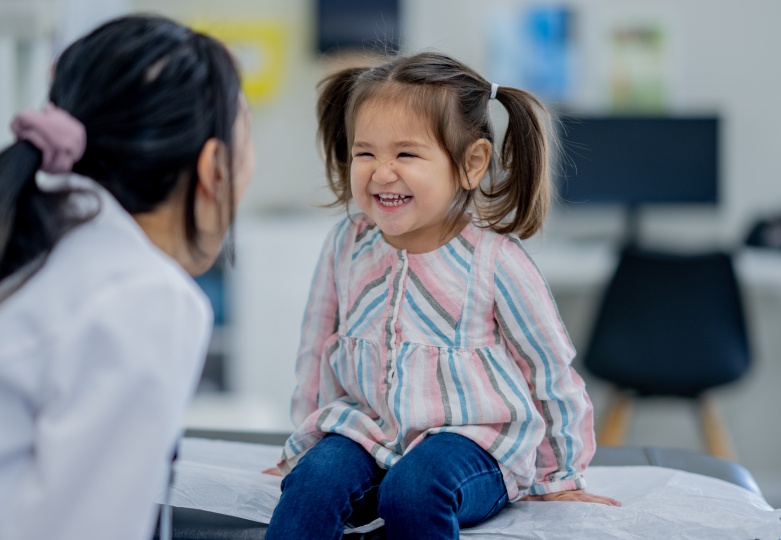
{"x":669,"y":58}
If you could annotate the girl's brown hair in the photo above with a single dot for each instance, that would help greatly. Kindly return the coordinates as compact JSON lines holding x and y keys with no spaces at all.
{"x":454,"y":99}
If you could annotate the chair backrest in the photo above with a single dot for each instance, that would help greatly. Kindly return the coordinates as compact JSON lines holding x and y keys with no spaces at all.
{"x":670,"y":325}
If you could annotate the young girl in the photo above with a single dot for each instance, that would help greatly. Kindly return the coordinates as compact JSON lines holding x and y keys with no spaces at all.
{"x":102,"y":331}
{"x":434,"y":378}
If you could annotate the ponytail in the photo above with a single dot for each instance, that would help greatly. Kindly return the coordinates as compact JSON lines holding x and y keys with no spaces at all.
{"x":335,"y":91}
{"x":523,"y":189}
{"x":31,"y":221}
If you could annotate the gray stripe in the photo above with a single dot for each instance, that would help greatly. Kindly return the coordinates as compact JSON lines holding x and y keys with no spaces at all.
{"x":333,"y":348}
{"x":466,"y":244}
{"x":388,"y":321}
{"x":389,"y":327}
{"x":336,"y":321}
{"x":545,"y":407}
{"x":364,"y":232}
{"x":495,"y":385}
{"x":500,"y":438}
{"x":497,"y":336}
{"x":323,"y":416}
{"x":514,"y":342}
{"x":366,"y":290}
{"x":443,"y":389}
{"x":554,"y":444}
{"x":517,"y":241}
{"x":430,"y":299}
{"x":375,"y":450}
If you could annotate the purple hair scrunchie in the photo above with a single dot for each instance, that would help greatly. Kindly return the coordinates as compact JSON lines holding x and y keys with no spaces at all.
{"x":60,"y":137}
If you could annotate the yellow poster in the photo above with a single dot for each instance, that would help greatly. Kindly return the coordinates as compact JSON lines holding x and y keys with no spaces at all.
{"x":259,"y":48}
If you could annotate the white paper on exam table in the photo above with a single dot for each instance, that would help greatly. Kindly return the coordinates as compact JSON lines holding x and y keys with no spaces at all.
{"x":225,"y":478}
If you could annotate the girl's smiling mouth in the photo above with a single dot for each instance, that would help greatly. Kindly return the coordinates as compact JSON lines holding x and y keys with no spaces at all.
{"x":389,"y":201}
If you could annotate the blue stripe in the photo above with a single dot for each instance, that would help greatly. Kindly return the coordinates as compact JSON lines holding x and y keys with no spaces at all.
{"x":457,"y":257}
{"x":409,"y":391}
{"x":457,"y":269}
{"x":371,"y":319}
{"x":423,"y":330}
{"x":512,"y":299}
{"x":377,"y":301}
{"x":366,"y":243}
{"x":459,"y":388}
{"x":466,"y":314}
{"x":469,"y":395}
{"x":359,"y":375}
{"x":429,"y":323}
{"x":399,"y":373}
{"x":511,"y":383}
{"x":342,"y":417}
{"x":370,"y":369}
{"x":545,"y":362}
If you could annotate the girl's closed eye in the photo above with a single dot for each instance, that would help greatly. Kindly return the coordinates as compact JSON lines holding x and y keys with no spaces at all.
{"x":407,"y":155}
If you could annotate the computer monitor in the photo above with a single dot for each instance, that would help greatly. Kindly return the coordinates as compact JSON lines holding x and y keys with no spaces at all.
{"x":635,"y":161}
{"x":357,"y":24}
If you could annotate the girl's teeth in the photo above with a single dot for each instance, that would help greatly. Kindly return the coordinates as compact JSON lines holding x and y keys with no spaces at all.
{"x":393,"y":200}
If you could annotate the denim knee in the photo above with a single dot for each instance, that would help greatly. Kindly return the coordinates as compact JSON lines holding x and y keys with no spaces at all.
{"x":404,"y":492}
{"x":335,"y":467}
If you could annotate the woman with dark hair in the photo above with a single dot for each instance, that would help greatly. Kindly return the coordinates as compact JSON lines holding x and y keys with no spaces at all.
{"x":102,"y":331}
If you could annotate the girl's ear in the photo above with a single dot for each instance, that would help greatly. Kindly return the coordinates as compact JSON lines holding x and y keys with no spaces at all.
{"x":477,"y":160}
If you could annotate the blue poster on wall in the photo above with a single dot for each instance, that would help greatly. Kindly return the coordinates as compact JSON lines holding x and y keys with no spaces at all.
{"x":534,"y":50}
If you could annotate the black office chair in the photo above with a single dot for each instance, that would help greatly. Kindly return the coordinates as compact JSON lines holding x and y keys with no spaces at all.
{"x":669,"y":325}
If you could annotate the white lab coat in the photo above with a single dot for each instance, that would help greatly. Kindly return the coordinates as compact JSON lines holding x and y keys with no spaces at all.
{"x":100,"y":353}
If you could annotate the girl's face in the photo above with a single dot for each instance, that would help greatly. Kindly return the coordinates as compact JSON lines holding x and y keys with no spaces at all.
{"x":401,"y":177}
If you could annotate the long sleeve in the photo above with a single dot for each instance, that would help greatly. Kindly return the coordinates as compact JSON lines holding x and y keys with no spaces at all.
{"x":118,"y":377}
{"x":321,"y":319}
{"x":538,"y":342}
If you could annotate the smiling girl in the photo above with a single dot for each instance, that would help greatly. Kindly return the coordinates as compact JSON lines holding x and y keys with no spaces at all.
{"x":434,"y":378}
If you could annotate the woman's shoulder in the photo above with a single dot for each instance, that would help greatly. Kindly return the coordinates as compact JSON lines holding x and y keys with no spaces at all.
{"x":104,"y":262}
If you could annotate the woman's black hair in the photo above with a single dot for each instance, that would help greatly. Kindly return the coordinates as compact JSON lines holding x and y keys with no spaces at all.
{"x":150,"y":93}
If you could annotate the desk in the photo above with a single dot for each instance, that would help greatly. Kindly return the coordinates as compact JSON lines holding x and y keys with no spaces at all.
{"x":571,"y":266}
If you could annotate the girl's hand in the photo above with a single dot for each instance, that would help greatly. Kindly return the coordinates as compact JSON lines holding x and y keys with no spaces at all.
{"x":274,"y":471}
{"x":577,"y":495}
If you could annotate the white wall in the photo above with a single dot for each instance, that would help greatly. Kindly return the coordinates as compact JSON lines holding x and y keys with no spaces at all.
{"x":726,"y":66}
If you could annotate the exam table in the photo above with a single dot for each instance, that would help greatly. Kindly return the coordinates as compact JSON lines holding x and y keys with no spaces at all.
{"x":201,"y":525}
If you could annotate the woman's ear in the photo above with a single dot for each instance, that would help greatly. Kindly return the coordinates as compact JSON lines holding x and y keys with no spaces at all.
{"x":478,"y":158}
{"x":212,"y":170}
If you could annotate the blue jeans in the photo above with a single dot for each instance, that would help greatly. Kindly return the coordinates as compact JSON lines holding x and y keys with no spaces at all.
{"x":444,"y":483}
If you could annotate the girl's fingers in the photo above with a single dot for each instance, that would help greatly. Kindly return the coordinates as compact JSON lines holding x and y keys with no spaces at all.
{"x":573,"y":496}
{"x":274,"y":471}
{"x":599,"y":499}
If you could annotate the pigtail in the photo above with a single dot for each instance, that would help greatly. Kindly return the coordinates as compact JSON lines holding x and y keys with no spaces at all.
{"x":522,"y":191}
{"x":335,"y":91}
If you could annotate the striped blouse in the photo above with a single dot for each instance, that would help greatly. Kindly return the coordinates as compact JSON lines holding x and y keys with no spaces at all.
{"x":465,"y":339}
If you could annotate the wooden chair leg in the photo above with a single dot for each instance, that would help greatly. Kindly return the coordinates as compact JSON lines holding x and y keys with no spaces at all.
{"x":613,"y":431}
{"x":714,"y":430}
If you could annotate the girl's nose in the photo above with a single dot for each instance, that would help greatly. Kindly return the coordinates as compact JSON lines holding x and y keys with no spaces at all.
{"x":385,"y":173}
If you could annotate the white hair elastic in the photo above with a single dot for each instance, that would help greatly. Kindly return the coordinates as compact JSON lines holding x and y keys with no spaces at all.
{"x":494,"y":88}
